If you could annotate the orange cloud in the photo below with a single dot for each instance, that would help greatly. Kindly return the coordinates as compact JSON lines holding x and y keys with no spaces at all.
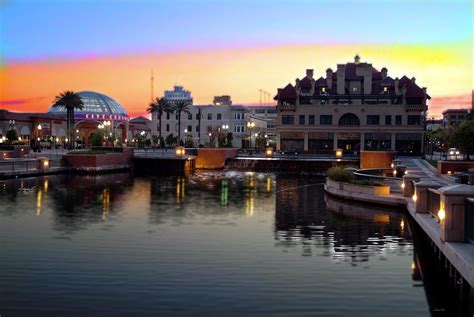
{"x":239,"y":72}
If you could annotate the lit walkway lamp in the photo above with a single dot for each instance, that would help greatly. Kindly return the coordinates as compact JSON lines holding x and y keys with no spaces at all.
{"x":250,"y":126}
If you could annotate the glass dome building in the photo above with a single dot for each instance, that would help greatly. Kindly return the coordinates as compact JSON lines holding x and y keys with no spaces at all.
{"x":97,"y":106}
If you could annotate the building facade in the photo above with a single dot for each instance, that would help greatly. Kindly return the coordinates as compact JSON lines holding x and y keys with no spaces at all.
{"x":205,"y":120}
{"x":178,"y":94}
{"x":453,"y":117}
{"x":51,"y":126}
{"x":355,"y":108}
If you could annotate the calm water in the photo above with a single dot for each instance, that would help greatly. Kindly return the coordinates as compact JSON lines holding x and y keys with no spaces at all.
{"x":212,"y":244}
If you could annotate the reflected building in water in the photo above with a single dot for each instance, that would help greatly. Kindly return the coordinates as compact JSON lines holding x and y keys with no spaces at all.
{"x":305,"y":216}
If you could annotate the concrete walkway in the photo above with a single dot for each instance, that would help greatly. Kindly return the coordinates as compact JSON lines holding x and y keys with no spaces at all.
{"x":425,"y":170}
{"x":460,"y":255}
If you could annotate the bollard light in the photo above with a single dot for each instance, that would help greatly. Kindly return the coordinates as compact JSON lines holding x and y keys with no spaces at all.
{"x":441,"y":214}
{"x":269,"y":152}
{"x":449,"y":172}
{"x":394,"y":172}
{"x":338,"y":153}
{"x":180,"y":151}
{"x":403,"y":185}
{"x":392,"y":165}
{"x":414,"y":198}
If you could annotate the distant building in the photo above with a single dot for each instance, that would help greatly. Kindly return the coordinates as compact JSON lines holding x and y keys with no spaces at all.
{"x":269,"y":115}
{"x":434,"y":124}
{"x":51,"y":126}
{"x":222,"y":100}
{"x":178,"y":93}
{"x":220,"y":116}
{"x":452,"y":117}
{"x":355,"y":108}
{"x":140,"y":125}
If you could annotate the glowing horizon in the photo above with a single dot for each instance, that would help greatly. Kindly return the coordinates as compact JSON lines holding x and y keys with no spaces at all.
{"x":117,"y":45}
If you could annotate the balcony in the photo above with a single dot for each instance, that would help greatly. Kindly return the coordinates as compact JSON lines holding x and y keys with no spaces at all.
{"x":286,"y":107}
{"x":415,"y":108}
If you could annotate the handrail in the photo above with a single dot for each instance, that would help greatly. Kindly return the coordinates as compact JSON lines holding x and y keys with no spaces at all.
{"x":360,"y":173}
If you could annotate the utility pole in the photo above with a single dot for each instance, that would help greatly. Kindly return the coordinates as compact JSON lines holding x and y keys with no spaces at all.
{"x":151,"y":86}
{"x":260,"y":91}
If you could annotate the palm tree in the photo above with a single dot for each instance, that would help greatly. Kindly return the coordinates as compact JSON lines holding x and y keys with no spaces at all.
{"x":159,"y":106}
{"x":71,"y":101}
{"x":179,"y":107}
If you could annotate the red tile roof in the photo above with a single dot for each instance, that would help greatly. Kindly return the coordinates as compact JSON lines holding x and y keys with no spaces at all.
{"x":289,"y":92}
{"x":305,"y":83}
{"x":321,"y":82}
{"x":413,"y":90}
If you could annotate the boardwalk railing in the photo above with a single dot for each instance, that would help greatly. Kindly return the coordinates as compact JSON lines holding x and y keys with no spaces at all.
{"x":433,"y":202}
{"x":469,"y":220}
{"x":14,"y":165}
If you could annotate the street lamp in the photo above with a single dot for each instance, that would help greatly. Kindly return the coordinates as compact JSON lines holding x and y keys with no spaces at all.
{"x":225,"y":127}
{"x":250,"y":126}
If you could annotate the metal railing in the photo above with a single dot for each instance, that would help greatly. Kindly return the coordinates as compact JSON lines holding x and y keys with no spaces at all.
{"x":469,"y":220}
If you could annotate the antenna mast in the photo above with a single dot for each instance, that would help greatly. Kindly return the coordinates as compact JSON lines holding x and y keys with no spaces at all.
{"x":151,"y":86}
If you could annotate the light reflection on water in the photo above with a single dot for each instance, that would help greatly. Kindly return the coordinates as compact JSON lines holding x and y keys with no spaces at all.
{"x":217,"y":243}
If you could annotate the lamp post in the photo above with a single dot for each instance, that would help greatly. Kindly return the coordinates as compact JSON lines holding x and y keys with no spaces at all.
{"x":210,"y":134}
{"x":250,"y":126}
{"x":39,"y":128}
{"x":225,"y":127}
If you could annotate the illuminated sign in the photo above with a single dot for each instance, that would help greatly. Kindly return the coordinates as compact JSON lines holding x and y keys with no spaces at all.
{"x":95,"y":116}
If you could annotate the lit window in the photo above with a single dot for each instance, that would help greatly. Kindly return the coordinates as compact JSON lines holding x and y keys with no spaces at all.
{"x":323,"y":89}
{"x":354,"y":89}
{"x":385,"y":89}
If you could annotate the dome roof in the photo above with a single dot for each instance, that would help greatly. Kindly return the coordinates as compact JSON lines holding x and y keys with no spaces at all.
{"x":96,"y":106}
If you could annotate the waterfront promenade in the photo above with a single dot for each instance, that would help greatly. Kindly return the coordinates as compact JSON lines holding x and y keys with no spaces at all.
{"x":460,"y":255}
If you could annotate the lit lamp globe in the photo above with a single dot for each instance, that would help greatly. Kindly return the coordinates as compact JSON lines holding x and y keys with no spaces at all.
{"x":180,"y":151}
{"x":269,"y":152}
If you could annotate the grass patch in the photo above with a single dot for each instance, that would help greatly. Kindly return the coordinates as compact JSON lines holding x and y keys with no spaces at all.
{"x":339,"y":174}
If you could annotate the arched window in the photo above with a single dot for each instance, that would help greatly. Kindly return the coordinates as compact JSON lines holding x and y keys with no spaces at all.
{"x":349,"y":119}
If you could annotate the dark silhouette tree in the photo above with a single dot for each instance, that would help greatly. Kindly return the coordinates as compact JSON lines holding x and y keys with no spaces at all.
{"x":159,"y":106}
{"x":71,"y":101}
{"x":463,"y":137}
{"x":179,"y":107}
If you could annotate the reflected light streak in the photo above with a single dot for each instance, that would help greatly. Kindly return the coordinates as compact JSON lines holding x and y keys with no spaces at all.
{"x":382,"y":218}
{"x":39,"y":196}
{"x":249,"y":203}
{"x":180,"y":189}
{"x":269,"y":184}
{"x":105,"y":203}
{"x":224,"y":193}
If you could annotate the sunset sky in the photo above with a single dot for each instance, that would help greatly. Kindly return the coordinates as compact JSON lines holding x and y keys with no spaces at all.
{"x":225,"y":47}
